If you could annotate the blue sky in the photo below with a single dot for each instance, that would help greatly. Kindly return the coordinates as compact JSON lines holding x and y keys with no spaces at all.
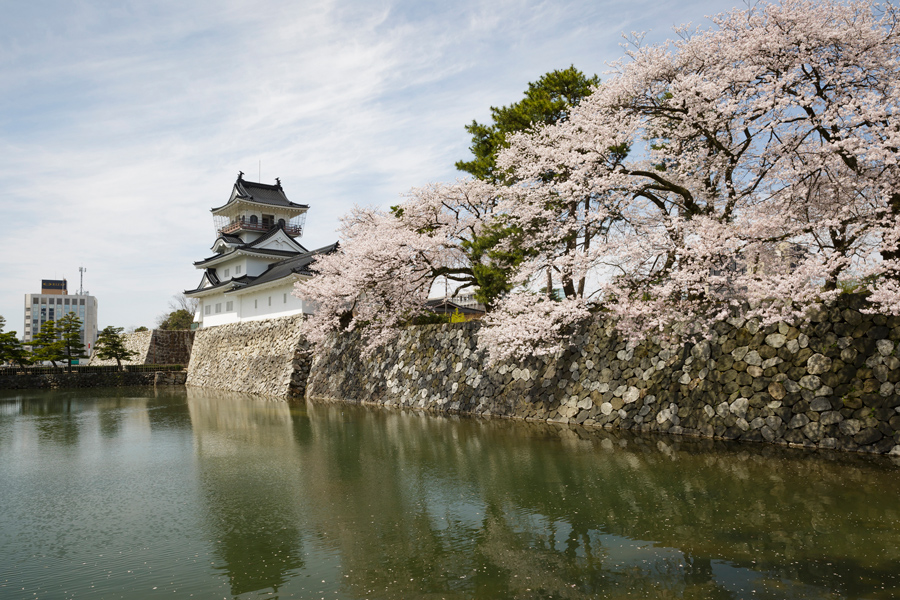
{"x":122,"y":123}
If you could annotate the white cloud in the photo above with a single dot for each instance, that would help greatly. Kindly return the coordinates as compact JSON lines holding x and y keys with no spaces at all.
{"x":123,"y":123}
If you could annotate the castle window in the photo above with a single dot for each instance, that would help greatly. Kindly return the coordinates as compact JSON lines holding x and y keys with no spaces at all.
{"x":285,"y":298}
{"x":254,"y":220}
{"x":207,"y":308}
{"x":256,"y":304}
{"x":218,"y":307}
{"x":227,"y":272}
{"x":270,"y":300}
{"x":229,"y":306}
{"x":237,"y":270}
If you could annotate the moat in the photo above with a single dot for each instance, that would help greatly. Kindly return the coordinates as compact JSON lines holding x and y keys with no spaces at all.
{"x":136,"y":493}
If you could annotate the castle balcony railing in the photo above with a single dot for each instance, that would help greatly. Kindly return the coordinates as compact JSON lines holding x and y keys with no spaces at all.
{"x":244,"y":224}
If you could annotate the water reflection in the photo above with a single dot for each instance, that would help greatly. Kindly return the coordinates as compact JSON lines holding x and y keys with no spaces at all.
{"x":246,"y":497}
{"x":529,"y":509}
{"x":247,"y":456}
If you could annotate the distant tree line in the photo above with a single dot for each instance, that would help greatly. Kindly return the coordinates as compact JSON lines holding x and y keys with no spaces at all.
{"x":61,"y":341}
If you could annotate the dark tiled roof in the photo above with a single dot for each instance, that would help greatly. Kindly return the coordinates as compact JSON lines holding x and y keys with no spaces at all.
{"x":223,"y":285}
{"x":299,"y":265}
{"x":262,"y":193}
{"x":265,"y":252}
{"x":230,"y":239}
{"x":269,"y":234}
{"x":233,"y":239}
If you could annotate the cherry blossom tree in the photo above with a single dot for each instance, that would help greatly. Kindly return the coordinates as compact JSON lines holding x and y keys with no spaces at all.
{"x":387,"y":261}
{"x":747,"y":169}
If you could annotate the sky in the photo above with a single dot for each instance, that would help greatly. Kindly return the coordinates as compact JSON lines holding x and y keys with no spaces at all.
{"x":123,"y":122}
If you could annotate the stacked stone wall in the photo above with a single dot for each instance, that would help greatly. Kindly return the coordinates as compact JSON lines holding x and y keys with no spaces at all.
{"x":170,"y":347}
{"x":258,"y":357}
{"x":833,"y":383}
{"x":157,"y":347}
{"x":89,"y":380}
{"x":138,"y":342}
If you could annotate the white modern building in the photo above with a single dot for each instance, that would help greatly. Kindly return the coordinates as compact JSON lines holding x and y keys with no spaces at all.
{"x":256,"y":259}
{"x":55,"y":302}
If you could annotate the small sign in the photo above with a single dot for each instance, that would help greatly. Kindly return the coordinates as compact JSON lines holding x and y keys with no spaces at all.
{"x":53,"y":284}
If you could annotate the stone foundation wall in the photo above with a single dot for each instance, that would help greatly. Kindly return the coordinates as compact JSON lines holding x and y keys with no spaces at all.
{"x":170,"y":347}
{"x":834,"y":384}
{"x":138,"y":341}
{"x":258,"y":357}
{"x":88,"y":380}
{"x":157,"y":347}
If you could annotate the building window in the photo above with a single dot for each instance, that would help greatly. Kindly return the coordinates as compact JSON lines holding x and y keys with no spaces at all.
{"x":218,"y":307}
{"x":237,"y":270}
{"x":270,"y":300}
{"x":254,"y":220}
{"x":229,"y":306}
{"x":81,"y":302}
{"x":35,"y":300}
{"x":227,"y":272}
{"x":285,"y":298}
{"x":206,"y":309}
{"x":256,"y":304}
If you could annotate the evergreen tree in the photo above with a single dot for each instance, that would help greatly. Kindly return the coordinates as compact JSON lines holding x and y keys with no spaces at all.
{"x":11,"y":349}
{"x":46,"y":344}
{"x":69,"y":330}
{"x":111,"y":344}
{"x":177,"y":319}
{"x":547,"y":101}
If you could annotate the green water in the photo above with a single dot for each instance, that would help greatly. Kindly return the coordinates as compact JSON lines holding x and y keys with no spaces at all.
{"x":133,"y":493}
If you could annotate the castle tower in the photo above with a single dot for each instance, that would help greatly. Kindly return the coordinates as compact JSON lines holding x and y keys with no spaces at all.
{"x":254,"y":209}
{"x":256,"y":259}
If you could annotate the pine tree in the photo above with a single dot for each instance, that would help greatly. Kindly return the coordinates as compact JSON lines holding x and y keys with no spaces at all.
{"x":111,"y":344}
{"x":69,"y":329}
{"x":11,"y":349}
{"x":46,"y":344}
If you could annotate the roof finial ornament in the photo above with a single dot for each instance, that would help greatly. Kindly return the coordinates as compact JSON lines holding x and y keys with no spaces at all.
{"x":240,"y":175}
{"x":278,"y":181}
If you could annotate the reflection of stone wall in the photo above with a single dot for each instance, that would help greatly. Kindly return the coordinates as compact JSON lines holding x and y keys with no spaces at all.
{"x":256,"y":357}
{"x":157,"y":347}
{"x":831,"y":385}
